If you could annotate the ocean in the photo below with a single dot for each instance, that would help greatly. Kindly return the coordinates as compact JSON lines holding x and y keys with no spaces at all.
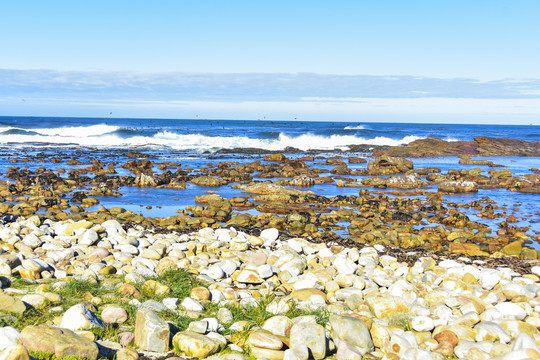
{"x":32,"y":142}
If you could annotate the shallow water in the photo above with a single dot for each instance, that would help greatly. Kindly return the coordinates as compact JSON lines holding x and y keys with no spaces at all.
{"x":192,"y":144}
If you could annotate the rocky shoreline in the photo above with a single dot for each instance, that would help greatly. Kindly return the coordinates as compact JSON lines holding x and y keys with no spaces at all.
{"x":101,"y":290}
{"x":255,"y":275}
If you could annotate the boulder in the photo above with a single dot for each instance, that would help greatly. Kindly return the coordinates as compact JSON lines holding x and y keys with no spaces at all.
{"x":458,"y":186}
{"x":151,"y":333}
{"x":311,"y":335}
{"x":352,"y":330}
{"x":60,"y":342}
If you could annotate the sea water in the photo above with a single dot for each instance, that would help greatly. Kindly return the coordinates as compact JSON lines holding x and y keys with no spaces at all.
{"x":195,"y":143}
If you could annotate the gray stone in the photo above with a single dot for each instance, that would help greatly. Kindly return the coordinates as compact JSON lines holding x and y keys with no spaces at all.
{"x":153,"y":305}
{"x":192,"y":305}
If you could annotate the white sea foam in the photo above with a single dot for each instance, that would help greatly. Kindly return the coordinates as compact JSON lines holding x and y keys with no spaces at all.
{"x":451,"y":139}
{"x":357,"y":127}
{"x":87,"y":136}
{"x":77,"y":131}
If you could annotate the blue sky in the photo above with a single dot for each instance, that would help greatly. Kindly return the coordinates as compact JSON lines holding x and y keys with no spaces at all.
{"x":383,"y":60}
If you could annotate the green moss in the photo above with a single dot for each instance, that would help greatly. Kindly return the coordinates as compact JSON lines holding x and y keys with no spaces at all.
{"x":181,"y":282}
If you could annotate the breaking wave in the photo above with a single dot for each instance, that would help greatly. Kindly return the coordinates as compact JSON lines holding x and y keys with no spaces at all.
{"x":357,"y":127}
{"x":115,"y":136}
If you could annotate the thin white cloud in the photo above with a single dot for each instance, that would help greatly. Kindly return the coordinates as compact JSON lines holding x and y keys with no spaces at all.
{"x":254,"y":86}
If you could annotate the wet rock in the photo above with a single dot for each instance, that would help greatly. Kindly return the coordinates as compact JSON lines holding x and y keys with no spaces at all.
{"x":458,"y":186}
{"x":388,"y":165}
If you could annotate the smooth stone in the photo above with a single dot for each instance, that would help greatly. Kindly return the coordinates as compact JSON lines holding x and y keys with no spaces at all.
{"x":352,"y":330}
{"x":265,"y":271}
{"x":297,"y":353}
{"x":278,"y":325}
{"x":127,"y":354}
{"x":269,"y":354}
{"x":347,"y":352}
{"x":78,"y":317}
{"x":171,"y":303}
{"x":151,"y":333}
{"x":491,"y":331}
{"x":311,"y":335}
{"x":89,"y":237}
{"x":32,"y":240}
{"x":400,"y":343}
{"x":265,"y":340}
{"x":37,"y":301}
{"x":200,"y":293}
{"x":269,"y":235}
{"x":488,"y":278}
{"x":126,"y":338}
{"x":225,"y":316}
{"x":194,"y":345}
{"x":8,"y":337}
{"x":524,"y":354}
{"x":422,"y":323}
{"x":58,"y":341}
{"x":11,"y":304}
{"x":215,"y":272}
{"x":114,"y":315}
{"x":153,"y":305}
{"x":515,"y":327}
{"x":416,"y":354}
{"x":249,"y":277}
{"x":511,"y":311}
{"x":200,"y":327}
{"x":384,"y":306}
{"x":192,"y":305}
{"x":15,"y":352}
{"x":524,"y":341}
